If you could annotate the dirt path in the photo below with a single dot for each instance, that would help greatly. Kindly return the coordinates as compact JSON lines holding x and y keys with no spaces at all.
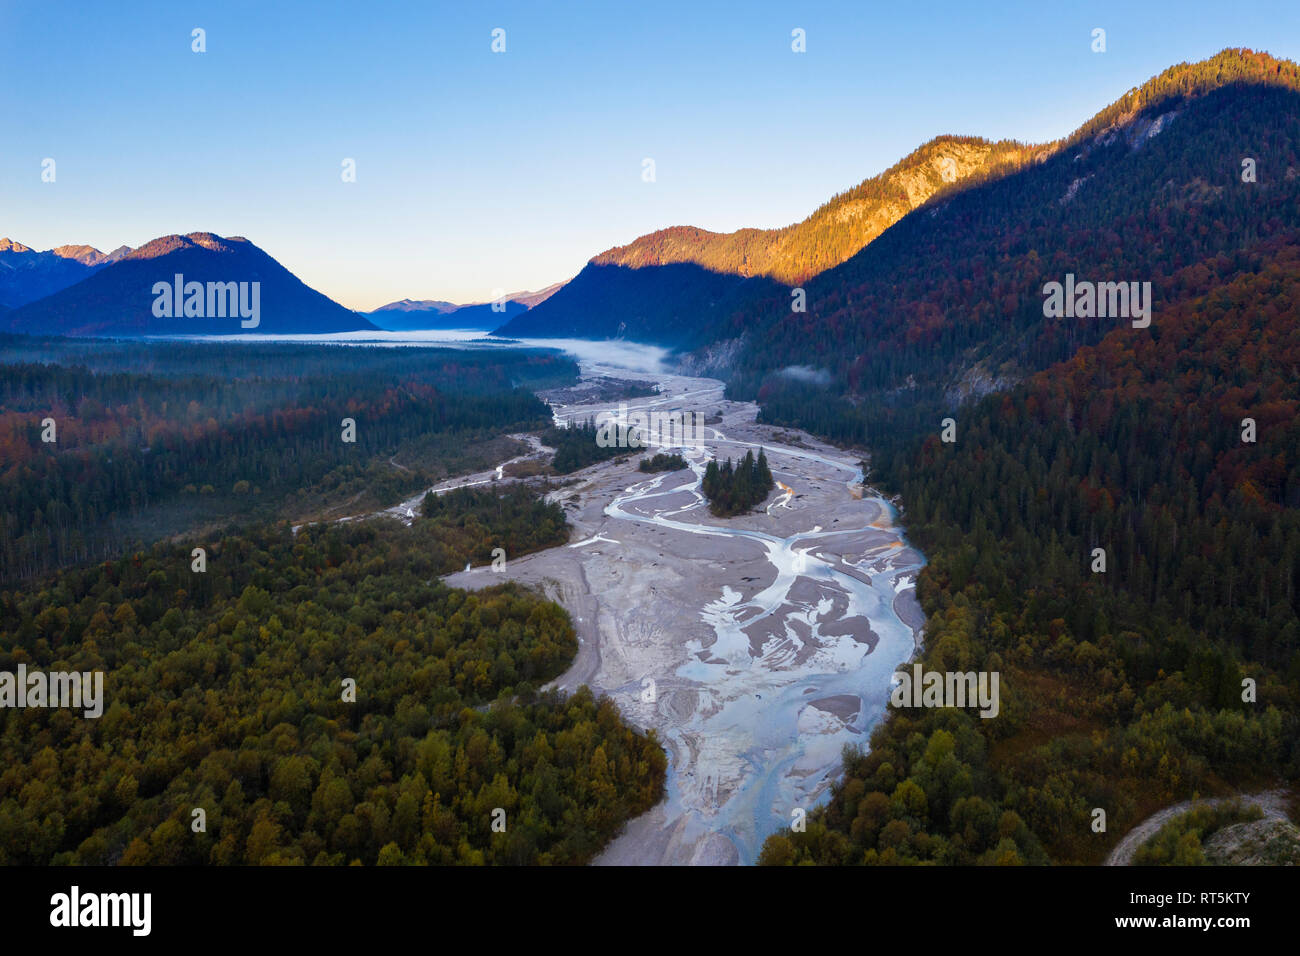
{"x":405,"y":511}
{"x":1272,"y":802}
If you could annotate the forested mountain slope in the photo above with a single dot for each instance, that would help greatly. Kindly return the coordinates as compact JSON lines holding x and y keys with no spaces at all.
{"x":1123,"y":689}
{"x":949,"y":302}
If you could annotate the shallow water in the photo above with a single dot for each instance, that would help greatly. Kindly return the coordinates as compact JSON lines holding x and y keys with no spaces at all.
{"x":755,"y":748}
{"x":764,"y":698}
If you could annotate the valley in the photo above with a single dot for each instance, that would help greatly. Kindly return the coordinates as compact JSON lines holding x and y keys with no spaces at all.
{"x":399,"y":586}
{"x":757,"y":646}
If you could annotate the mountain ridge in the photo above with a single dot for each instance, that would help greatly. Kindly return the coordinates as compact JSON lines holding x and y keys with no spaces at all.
{"x":647,"y":308}
{"x":718,"y":266}
{"x":27,"y":275}
{"x":954,"y":292}
{"x":525,"y":298}
{"x":794,"y":253}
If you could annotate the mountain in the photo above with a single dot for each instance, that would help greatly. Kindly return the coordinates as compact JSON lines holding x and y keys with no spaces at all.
{"x":837,"y":229}
{"x":120,"y":298}
{"x":945,"y":221}
{"x":949,"y":303}
{"x":27,"y":275}
{"x":1121,"y":689}
{"x":674,"y":304}
{"x":531,"y":299}
{"x":1114,"y":527}
{"x":417,"y":305}
{"x":419,"y":314}
{"x":89,"y":255}
{"x":479,"y":317}
{"x":675,"y":286}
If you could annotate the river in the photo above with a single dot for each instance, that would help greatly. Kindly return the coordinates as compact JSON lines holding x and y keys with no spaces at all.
{"x":756,"y":646}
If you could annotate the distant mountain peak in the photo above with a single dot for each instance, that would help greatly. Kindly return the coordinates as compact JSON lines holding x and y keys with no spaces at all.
{"x":441,"y":306}
{"x":418,"y":305}
{"x":531,"y":299}
{"x":27,"y":275}
{"x":86,"y":255}
{"x":115,"y":297}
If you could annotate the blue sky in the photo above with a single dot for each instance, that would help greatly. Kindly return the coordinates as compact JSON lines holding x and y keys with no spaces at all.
{"x":479,"y":171}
